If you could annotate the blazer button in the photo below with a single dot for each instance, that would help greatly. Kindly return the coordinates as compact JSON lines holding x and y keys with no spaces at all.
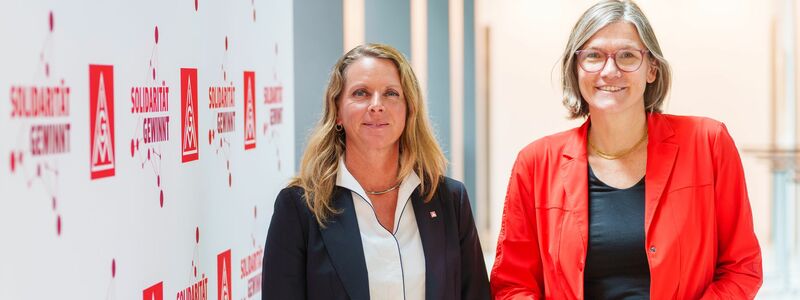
{"x":653,"y":249}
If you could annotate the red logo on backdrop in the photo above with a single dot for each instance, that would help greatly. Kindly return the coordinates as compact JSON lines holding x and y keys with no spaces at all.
{"x":249,"y":110}
{"x":155,"y":292}
{"x":224,"y":275}
{"x":101,"y":120}
{"x":189,"y":144}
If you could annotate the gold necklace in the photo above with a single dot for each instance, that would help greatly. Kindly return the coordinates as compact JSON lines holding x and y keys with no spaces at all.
{"x":384,"y":191}
{"x":618,"y":155}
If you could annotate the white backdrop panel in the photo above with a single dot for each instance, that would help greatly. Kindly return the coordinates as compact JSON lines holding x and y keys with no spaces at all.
{"x":74,"y":226}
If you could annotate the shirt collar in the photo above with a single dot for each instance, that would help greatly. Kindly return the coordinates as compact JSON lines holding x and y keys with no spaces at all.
{"x":346,"y":180}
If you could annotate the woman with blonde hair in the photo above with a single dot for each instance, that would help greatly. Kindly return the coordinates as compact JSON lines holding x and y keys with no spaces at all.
{"x":634,"y":204}
{"x":371,"y":214}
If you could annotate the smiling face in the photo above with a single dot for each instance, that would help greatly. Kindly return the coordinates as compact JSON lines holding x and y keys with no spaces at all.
{"x":612,"y":90}
{"x":372,"y":106}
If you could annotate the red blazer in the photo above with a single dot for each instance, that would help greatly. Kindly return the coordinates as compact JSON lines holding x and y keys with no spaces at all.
{"x":699,"y":234}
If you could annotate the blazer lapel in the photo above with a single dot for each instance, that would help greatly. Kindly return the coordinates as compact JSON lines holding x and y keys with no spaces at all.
{"x":430,"y":222}
{"x":661,"y":156}
{"x":343,"y":242}
{"x":575,"y":170}
{"x":575,"y":179}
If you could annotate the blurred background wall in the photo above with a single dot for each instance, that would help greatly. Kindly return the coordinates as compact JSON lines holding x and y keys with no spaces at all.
{"x":489,"y":70}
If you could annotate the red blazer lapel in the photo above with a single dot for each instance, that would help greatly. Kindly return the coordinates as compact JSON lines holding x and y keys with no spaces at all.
{"x":575,"y":173}
{"x":574,"y":234}
{"x":661,"y":156}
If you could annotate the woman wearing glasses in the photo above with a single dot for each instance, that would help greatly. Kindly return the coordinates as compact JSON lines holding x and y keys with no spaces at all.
{"x":634,"y":204}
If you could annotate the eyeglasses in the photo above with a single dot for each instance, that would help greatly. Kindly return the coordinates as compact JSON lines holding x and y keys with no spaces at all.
{"x":627,"y":60}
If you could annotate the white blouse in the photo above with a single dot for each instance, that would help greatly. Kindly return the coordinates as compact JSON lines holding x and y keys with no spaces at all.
{"x":395,"y":261}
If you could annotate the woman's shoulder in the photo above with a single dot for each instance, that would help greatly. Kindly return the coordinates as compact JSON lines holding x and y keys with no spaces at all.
{"x":697,"y":122}
{"x":291,"y":191}
{"x":456,"y":192}
{"x":687,"y":126}
{"x":452,"y":185}
{"x":451,"y":190}
{"x":291,"y":197}
{"x":552,"y":144}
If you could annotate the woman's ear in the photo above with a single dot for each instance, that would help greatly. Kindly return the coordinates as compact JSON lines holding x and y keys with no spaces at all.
{"x":652,"y":71}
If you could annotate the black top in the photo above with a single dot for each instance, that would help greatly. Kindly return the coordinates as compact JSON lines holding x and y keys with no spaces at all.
{"x":616,"y":261}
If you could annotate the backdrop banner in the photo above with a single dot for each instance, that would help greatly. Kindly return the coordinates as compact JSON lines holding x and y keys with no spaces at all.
{"x":143,"y":144}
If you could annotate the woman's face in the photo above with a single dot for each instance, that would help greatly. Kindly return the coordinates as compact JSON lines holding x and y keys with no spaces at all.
{"x":372,"y":106}
{"x":611,"y":90}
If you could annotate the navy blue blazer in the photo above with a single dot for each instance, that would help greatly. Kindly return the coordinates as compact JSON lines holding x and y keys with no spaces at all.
{"x":303,"y":261}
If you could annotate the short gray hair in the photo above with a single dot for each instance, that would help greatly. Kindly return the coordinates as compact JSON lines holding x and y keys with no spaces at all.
{"x":595,"y":18}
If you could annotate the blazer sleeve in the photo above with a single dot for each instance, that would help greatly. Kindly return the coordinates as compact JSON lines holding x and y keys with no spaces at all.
{"x":517,"y":271}
{"x":284,"y":264}
{"x":474,"y":281}
{"x":738,"y":273}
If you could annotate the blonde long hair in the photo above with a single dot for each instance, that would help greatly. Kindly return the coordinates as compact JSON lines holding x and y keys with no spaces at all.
{"x":419,"y":151}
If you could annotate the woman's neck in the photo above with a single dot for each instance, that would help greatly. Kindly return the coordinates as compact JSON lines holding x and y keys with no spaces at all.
{"x":374,"y":170}
{"x":617,"y":132}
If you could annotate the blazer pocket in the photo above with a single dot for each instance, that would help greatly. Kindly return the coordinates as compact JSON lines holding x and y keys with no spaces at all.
{"x":691,"y":196}
{"x":689,"y":208}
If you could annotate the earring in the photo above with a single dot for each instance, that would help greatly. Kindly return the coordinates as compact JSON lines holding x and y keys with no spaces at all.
{"x":338,"y":127}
